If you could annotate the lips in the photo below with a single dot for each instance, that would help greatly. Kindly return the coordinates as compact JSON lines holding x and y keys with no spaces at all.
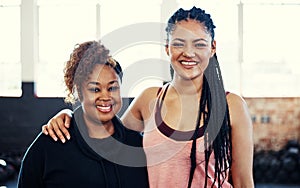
{"x":104,"y":108}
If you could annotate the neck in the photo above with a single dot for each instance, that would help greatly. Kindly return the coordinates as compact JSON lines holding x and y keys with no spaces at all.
{"x":187,"y":87}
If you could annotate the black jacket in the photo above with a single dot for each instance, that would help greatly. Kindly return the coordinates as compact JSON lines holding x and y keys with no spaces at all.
{"x":116,"y":161}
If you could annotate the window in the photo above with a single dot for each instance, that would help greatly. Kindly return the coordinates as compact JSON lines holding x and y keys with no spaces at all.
{"x":10,"y":66}
{"x":78,"y":21}
{"x":62,"y":24}
{"x":265,"y":65}
{"x":271,"y":65}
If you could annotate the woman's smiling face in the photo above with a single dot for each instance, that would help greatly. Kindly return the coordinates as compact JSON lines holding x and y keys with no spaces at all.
{"x":190,"y":47}
{"x":101,"y":97}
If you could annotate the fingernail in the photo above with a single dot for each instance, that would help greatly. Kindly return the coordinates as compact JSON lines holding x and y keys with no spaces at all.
{"x":68,"y":137}
{"x":63,"y":140}
{"x":55,"y":139}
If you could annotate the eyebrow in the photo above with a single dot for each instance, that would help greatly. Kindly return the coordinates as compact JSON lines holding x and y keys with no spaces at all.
{"x":97,"y":83}
{"x":197,"y":40}
{"x":194,"y":41}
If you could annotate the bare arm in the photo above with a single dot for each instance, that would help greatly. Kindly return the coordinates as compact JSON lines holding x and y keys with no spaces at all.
{"x":57,"y":125}
{"x":242,"y":142}
{"x":140,"y":110}
{"x":132,"y":117}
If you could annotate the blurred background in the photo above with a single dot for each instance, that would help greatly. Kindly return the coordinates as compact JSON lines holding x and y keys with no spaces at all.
{"x":257,"y":46}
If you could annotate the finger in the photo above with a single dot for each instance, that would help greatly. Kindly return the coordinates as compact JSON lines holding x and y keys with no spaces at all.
{"x":63,"y":129}
{"x":57,"y":130}
{"x":67,"y":121}
{"x":50,"y":131}
{"x":44,"y":129}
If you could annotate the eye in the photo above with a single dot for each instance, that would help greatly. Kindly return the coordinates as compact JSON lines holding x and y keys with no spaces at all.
{"x":200,"y":45}
{"x":177,"y":44}
{"x":94,"y":89}
{"x":114,"y":88}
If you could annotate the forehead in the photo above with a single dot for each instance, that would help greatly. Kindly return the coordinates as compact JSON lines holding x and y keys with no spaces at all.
{"x":103,"y":73}
{"x":190,"y":29}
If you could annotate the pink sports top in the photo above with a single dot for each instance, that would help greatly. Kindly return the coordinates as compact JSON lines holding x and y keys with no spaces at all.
{"x":168,"y":154}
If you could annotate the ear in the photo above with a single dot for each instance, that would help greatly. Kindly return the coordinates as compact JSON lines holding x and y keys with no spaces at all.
{"x":167,"y":49}
{"x":213,"y":48}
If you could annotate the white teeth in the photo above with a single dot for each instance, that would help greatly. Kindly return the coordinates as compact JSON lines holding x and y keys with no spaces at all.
{"x":104,"y":108}
{"x":188,"y":63}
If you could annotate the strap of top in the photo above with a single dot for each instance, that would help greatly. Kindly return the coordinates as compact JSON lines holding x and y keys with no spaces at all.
{"x":167,"y":130}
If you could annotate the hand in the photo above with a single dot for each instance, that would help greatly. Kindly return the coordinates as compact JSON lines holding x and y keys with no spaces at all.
{"x":56,"y":126}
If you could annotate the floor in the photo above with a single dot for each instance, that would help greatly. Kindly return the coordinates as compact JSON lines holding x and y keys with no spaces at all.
{"x":13,"y":184}
{"x":276,"y":186}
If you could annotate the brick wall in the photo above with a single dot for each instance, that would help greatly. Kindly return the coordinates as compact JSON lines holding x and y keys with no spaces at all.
{"x":275,"y":121}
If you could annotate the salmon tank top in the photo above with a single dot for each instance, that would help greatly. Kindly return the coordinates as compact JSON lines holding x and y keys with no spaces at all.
{"x":168,"y":153}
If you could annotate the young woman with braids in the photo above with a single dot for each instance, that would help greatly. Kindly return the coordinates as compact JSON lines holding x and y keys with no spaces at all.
{"x":195,"y":133}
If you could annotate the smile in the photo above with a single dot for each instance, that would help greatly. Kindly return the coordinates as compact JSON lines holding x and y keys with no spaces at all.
{"x":104,"y":108}
{"x":190,"y":63}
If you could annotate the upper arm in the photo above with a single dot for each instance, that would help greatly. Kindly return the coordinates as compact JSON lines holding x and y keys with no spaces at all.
{"x":140,"y":110}
{"x":242,"y":141}
{"x":31,"y":173}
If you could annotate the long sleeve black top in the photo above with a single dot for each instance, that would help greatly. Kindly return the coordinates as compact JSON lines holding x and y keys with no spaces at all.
{"x":117,"y":161}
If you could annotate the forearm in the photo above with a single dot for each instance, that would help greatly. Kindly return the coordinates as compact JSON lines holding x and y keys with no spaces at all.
{"x":243,"y":182}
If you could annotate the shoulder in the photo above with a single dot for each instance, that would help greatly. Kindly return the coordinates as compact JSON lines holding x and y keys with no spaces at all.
{"x":234,"y":100}
{"x":37,"y":147}
{"x":44,"y":144}
{"x":40,"y":141}
{"x":238,"y":109}
{"x":140,"y":109}
{"x":146,"y":98}
{"x":149,"y":93}
{"x":133,"y":138}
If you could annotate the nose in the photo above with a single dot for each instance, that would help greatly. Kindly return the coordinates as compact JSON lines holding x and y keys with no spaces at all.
{"x":188,"y":51}
{"x":104,"y":96}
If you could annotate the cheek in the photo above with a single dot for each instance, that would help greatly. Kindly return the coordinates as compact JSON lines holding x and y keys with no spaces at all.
{"x":118,"y":103}
{"x":205,"y":55}
{"x":88,"y":97}
{"x":117,"y":97}
{"x":174,"y":53}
